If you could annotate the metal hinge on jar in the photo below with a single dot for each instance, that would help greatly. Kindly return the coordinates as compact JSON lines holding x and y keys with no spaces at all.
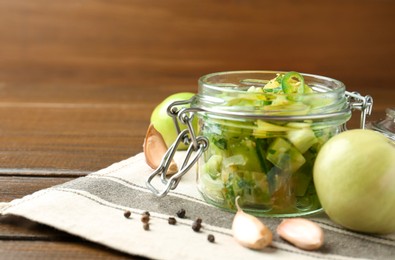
{"x":197,"y":145}
{"x":363,"y":103}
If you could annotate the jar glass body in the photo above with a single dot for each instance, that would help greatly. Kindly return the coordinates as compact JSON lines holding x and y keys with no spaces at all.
{"x":262,"y":145}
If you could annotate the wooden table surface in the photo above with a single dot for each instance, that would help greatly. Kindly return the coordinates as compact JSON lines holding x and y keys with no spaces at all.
{"x":79,"y":79}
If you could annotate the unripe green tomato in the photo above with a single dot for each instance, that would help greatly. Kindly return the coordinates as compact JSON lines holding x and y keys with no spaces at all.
{"x":354,"y":175}
{"x":164,"y":124}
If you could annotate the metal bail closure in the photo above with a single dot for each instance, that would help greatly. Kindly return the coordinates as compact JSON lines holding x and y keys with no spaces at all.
{"x":362,"y":103}
{"x":197,"y":145}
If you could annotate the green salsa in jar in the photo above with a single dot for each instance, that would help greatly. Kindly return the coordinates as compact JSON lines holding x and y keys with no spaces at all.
{"x":264,"y":130}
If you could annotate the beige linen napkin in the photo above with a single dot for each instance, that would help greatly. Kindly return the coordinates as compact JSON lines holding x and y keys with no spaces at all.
{"x":93,"y":207}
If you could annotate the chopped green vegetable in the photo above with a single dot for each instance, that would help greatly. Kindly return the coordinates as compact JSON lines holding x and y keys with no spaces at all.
{"x":213,"y":166}
{"x":302,"y":138}
{"x":285,"y":156}
{"x":274,"y":85}
{"x":267,"y":163}
{"x":293,"y":82}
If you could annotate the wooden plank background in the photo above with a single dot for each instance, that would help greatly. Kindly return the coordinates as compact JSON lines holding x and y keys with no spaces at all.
{"x":79,"y":78}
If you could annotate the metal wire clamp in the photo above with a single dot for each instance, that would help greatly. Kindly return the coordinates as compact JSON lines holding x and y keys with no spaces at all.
{"x":197,"y":145}
{"x":363,"y":103}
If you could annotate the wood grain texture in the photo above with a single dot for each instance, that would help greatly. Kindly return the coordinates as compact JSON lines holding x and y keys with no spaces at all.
{"x":79,"y":79}
{"x":18,"y":228}
{"x":24,"y":239}
{"x":132,"y":44}
{"x":17,"y":187}
{"x":59,"y":250}
{"x":80,"y":137}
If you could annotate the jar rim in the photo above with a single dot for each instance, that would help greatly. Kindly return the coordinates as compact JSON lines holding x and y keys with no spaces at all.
{"x":203,"y":80}
{"x":226,"y":93}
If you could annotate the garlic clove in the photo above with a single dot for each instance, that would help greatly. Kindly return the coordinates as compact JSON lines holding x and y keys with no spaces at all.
{"x":155,"y":148}
{"x":249,"y":231}
{"x":302,"y":233}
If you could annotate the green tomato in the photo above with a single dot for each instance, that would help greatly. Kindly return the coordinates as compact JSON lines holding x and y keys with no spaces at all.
{"x":354,"y":175}
{"x":163,"y":123}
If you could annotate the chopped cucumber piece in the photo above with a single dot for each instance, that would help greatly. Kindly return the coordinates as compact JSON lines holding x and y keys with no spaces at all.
{"x":302,"y":178}
{"x":235,"y":160}
{"x":302,"y":138}
{"x":285,"y":156}
{"x":246,"y":148}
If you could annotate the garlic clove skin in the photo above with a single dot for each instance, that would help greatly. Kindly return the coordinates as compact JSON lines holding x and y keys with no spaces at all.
{"x":154,"y":148}
{"x":249,"y":231}
{"x":303,"y":233}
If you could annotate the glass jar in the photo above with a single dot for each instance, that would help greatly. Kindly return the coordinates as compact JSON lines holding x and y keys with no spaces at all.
{"x":259,"y":143}
{"x":263,"y":145}
{"x":387,"y":125}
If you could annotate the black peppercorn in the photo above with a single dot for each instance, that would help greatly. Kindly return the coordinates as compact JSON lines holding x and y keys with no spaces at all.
{"x":181,"y":213}
{"x":145,"y":218}
{"x":196,"y":226}
{"x":211,"y":238}
{"x":127,"y":214}
{"x":199,"y":220}
{"x":172,"y":221}
{"x":146,"y":226}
